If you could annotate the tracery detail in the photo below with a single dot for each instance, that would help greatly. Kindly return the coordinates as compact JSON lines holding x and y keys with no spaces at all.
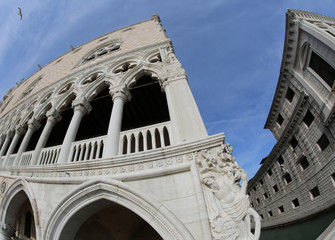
{"x":227,"y":202}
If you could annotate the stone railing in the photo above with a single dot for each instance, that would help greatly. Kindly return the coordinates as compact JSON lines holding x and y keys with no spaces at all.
{"x":11,"y":160}
{"x":89,"y":149}
{"x":26,"y":158}
{"x":145,"y":138}
{"x":49,"y":155}
{"x":131,"y":141}
{"x":2,"y":159}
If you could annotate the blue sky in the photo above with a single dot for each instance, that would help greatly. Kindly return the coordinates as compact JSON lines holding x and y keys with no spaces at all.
{"x":230,"y":49}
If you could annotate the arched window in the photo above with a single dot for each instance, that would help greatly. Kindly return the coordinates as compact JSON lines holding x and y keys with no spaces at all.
{"x":166,"y":137}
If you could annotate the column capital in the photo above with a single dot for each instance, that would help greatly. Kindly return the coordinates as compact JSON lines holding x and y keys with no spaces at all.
{"x":33,"y":124}
{"x":53,"y":116}
{"x":81,"y":104}
{"x":20,"y":130}
{"x":10,"y":134}
{"x":121,"y":91}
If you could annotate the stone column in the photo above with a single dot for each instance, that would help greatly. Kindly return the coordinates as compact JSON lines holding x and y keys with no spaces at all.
{"x":2,"y":139}
{"x":18,"y":133}
{"x":120,"y":95}
{"x":33,"y":125}
{"x":9,"y":137}
{"x":53,"y":117}
{"x":185,"y":117}
{"x":80,"y":107}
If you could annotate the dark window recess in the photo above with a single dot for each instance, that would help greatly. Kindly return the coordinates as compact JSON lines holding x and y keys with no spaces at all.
{"x":275,"y":188}
{"x":295,"y":203}
{"x":294,"y":142}
{"x":265,"y":196}
{"x":252,"y":205}
{"x":27,"y":224}
{"x":258,"y":201}
{"x":289,"y":95}
{"x":287,"y":178}
{"x":262,"y":217}
{"x":270,"y":172}
{"x":280,"y":160}
{"x":95,"y":124}
{"x":323,"y":142}
{"x":280,"y":120}
{"x":314,"y":192}
{"x":254,"y":188}
{"x":308,"y":119}
{"x":281,"y":209}
{"x":148,"y":105}
{"x":303,"y":162}
{"x":323,"y":69}
{"x":270,"y":213}
{"x":261,"y":181}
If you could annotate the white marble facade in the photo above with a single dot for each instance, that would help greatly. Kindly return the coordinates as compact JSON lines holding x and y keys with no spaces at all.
{"x":169,"y":176}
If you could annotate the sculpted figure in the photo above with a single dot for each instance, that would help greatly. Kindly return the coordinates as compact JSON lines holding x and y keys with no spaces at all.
{"x":225,"y":184}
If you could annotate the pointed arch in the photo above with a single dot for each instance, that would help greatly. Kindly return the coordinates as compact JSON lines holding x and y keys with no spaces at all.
{"x":64,"y":221}
{"x":12,"y":201}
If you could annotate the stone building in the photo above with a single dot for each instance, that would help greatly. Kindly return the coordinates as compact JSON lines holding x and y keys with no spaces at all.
{"x":106,"y":142}
{"x":296,"y":180}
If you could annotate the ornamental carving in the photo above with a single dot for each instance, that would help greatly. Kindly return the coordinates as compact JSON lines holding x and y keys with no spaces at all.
{"x":224,"y":183}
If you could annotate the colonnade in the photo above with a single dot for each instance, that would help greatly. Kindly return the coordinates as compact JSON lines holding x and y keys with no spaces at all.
{"x":81,"y":107}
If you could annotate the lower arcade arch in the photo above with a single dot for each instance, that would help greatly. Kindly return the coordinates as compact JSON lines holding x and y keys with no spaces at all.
{"x":110,"y":209}
{"x":18,"y":214}
{"x":104,"y":219}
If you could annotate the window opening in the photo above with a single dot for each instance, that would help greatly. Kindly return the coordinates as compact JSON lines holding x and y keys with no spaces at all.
{"x":270,"y":213}
{"x":166,"y":137}
{"x":280,"y":120}
{"x":295,"y":203}
{"x":280,"y":160}
{"x":303,"y":162}
{"x":287,"y":178}
{"x":323,"y":69}
{"x":314,"y":192}
{"x":308,"y":119}
{"x":261,"y":181}
{"x":269,"y":172}
{"x":293,"y":142}
{"x":265,"y":195}
{"x":289,"y":94}
{"x":281,"y":209}
{"x":275,"y":188}
{"x":323,"y":142}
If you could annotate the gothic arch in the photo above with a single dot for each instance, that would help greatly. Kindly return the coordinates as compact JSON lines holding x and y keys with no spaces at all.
{"x":141,"y":70}
{"x":60,"y":225}
{"x":12,"y":202}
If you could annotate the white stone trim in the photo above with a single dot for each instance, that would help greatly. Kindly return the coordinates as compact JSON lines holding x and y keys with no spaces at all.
{"x":156,"y":214}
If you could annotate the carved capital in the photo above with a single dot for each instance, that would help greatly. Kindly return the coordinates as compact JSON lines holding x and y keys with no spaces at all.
{"x":81,"y":104}
{"x":20,"y":130}
{"x":10,"y":134}
{"x":33,"y":124}
{"x":120,"y":92}
{"x":53,"y":116}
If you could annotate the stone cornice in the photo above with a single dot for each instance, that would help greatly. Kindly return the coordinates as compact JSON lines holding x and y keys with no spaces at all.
{"x":279,"y":147}
{"x":289,"y":53}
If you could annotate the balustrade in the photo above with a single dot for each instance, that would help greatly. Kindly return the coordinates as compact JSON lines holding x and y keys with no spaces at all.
{"x":145,"y":138}
{"x":87,"y":149}
{"x":26,"y":158}
{"x":49,"y":155}
{"x":131,"y":141}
